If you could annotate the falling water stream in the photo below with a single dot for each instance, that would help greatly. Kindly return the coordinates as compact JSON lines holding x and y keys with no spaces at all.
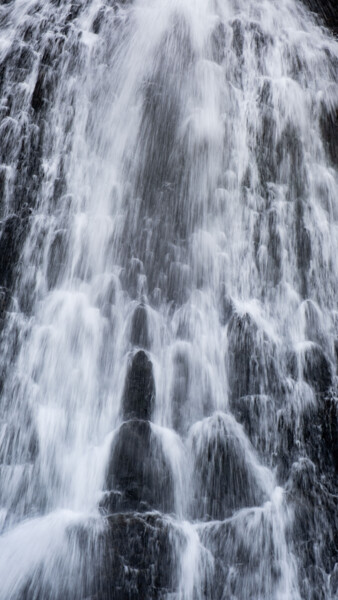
{"x":169,"y":317}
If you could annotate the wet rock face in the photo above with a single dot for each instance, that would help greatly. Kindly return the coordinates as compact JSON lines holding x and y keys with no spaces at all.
{"x":242,"y":548}
{"x":139,"y":392}
{"x":56,"y":258}
{"x":180,"y":391}
{"x":11,"y":241}
{"x":127,"y":571}
{"x":252,"y":368}
{"x":225,"y":477}
{"x":126,"y":556}
{"x":17,"y":446}
{"x":139,"y":328}
{"x":258,"y":415}
{"x":138,"y":475}
{"x":326,"y":10}
{"x":314,"y":528}
{"x":317,"y":370}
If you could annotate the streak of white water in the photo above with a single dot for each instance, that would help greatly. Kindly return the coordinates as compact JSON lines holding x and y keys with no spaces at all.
{"x":183,"y":169}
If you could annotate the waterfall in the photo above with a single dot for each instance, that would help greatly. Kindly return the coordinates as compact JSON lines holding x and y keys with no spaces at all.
{"x":168,"y":301}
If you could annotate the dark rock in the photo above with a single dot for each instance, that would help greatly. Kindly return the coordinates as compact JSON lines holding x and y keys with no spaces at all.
{"x":139,"y":559}
{"x":317,"y":370}
{"x":329,"y":130}
{"x":303,"y":247}
{"x":131,"y":276}
{"x":139,"y":392}
{"x":98,"y":20}
{"x":291,"y":162}
{"x":180,"y":390}
{"x":320,"y":434}
{"x":238,"y":37}
{"x":56,"y":258}
{"x":327,"y":12}
{"x":226,"y":307}
{"x":5,"y":300}
{"x":312,"y":314}
{"x":246,"y":556}
{"x":252,"y":366}
{"x":287,"y":451}
{"x":225,"y":479}
{"x":138,"y":475}
{"x":218,"y":43}
{"x":106,"y":298}
{"x":314,"y":531}
{"x":11,"y":242}
{"x":266,"y":143}
{"x":18,"y":444}
{"x":274,"y":249}
{"x":257,"y":414}
{"x":179,"y":282}
{"x":127,"y":557}
{"x":139,"y":335}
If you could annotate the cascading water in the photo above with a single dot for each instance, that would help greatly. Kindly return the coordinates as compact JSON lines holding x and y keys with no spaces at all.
{"x":169,"y":319}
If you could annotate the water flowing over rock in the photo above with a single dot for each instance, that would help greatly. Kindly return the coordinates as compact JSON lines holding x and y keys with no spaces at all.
{"x":168,"y":300}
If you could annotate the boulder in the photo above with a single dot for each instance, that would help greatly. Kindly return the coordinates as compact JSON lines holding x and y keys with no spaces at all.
{"x":316,"y":367}
{"x":226,"y":476}
{"x":314,"y":530}
{"x":139,"y":391}
{"x":138,"y":474}
{"x":252,"y":365}
{"x":139,"y":335}
{"x":57,"y":255}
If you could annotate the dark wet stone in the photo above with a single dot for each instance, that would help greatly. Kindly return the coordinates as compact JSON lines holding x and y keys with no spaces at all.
{"x":317,"y":370}
{"x":312,"y":315}
{"x":40,"y":92}
{"x":56,"y":258}
{"x":106,"y":297}
{"x":266,"y":144}
{"x":314,"y":531}
{"x":179,"y":282}
{"x":302,"y":478}
{"x":138,"y":475}
{"x":252,"y":367}
{"x":98,"y":20}
{"x":312,"y":434}
{"x":291,"y":163}
{"x":131,"y":276}
{"x":320,"y":433}
{"x":127,"y":557}
{"x":336,"y":353}
{"x":245,"y":556}
{"x":139,"y":335}
{"x":180,"y":390}
{"x":145,"y":547}
{"x":238,"y":37}
{"x":139,"y":392}
{"x":5,"y":300}
{"x":74,"y":11}
{"x":224,"y":479}
{"x":11,"y":242}
{"x":274,"y":249}
{"x":218,"y":43}
{"x":18,"y":444}
{"x":226,"y":307}
{"x":257,"y":414}
{"x":327,"y":12}
{"x":329,"y":130}
{"x":287,"y":452}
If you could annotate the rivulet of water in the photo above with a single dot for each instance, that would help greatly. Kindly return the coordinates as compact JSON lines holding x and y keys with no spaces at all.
{"x":169,"y":318}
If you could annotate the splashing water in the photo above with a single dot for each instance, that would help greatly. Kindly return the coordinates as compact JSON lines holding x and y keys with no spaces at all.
{"x":169,"y":323}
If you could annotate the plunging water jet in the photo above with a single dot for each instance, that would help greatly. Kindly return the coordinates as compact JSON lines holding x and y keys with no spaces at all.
{"x":168,"y":312}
